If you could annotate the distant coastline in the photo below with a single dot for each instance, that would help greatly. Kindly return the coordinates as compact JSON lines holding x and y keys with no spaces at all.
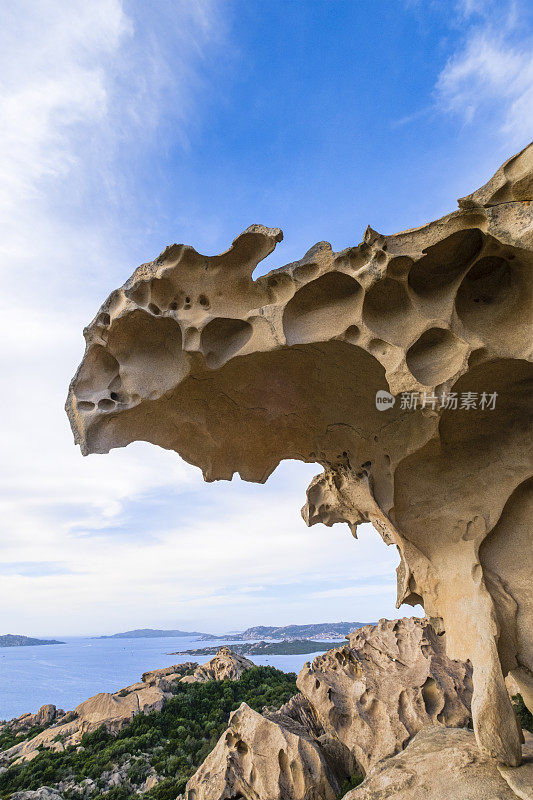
{"x":322,"y":631}
{"x":285,"y":647}
{"x":15,"y":640}
{"x":153,"y":633}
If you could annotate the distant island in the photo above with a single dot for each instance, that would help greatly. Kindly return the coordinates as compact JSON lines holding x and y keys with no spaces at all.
{"x":14,"y":640}
{"x":320,"y":630}
{"x":287,"y":647}
{"x":153,"y":633}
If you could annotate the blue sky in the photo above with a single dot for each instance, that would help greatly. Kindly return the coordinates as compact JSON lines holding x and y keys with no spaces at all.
{"x":127,"y":126}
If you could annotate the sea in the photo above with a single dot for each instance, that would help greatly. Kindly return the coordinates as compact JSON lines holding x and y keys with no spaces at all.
{"x":66,"y":674}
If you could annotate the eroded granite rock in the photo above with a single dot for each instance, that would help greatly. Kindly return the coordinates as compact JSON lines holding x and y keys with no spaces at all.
{"x":224,"y":666}
{"x":262,"y":758}
{"x":236,"y":374}
{"x":439,"y":764}
{"x":388,"y":682}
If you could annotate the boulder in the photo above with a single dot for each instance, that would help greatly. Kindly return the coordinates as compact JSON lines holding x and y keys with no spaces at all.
{"x":46,"y":715}
{"x":224,"y":666}
{"x":438,"y":764}
{"x":116,"y":710}
{"x":389,"y":681}
{"x":260,"y":758}
{"x":177,"y":670}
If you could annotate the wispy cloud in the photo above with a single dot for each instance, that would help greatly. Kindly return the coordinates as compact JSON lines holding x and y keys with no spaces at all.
{"x":85,"y":86}
{"x":490,"y":75}
{"x":34,"y":569}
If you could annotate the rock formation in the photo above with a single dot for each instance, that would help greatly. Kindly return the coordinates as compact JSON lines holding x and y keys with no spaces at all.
{"x":46,"y":715}
{"x":359,"y":704}
{"x":261,"y":757}
{"x":441,"y":764}
{"x":116,"y":709}
{"x":390,"y":680}
{"x":225,"y":666}
{"x":322,"y":361}
{"x":169,"y":673}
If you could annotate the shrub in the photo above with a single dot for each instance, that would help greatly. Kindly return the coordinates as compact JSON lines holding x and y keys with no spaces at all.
{"x":174,"y":740}
{"x":523,"y":713}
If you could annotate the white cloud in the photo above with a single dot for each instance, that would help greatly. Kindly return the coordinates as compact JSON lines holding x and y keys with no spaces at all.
{"x":85,"y":86}
{"x":491,"y":74}
{"x":81,"y":83}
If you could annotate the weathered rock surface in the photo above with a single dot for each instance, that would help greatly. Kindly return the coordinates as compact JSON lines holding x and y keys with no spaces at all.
{"x":169,"y":673}
{"x":439,"y":764}
{"x":114,"y":710}
{"x":236,"y":374}
{"x":388,"y":682}
{"x":44,"y":793}
{"x":224,"y":666}
{"x":46,"y":714}
{"x":261,"y":757}
{"x":359,"y":704}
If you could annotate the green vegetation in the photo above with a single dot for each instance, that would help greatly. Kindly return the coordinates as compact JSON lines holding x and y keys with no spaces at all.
{"x":351,"y":783}
{"x":8,"y":738}
{"x":174,"y":741}
{"x":523,"y":713}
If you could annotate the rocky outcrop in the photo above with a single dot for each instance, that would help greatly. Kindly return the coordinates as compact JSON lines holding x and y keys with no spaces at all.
{"x":441,"y":764}
{"x":44,"y":793}
{"x":260,"y":758}
{"x":114,"y":710}
{"x":168,"y":673}
{"x":45,"y":716}
{"x":388,"y":682}
{"x":224,"y":666}
{"x":401,"y":365}
{"x":358,"y":704}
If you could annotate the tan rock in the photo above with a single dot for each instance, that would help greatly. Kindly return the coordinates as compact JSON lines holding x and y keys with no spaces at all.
{"x":237,"y":374}
{"x":439,"y":764}
{"x":388,"y":682}
{"x":28,"y":749}
{"x":116,"y":710}
{"x":224,"y":666}
{"x":46,"y":714}
{"x":260,"y":758}
{"x":168,"y":672}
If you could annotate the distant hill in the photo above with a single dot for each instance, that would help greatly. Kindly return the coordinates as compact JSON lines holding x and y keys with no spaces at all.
{"x":283,"y":648}
{"x":14,"y":640}
{"x":321,"y":630}
{"x":152,"y":633}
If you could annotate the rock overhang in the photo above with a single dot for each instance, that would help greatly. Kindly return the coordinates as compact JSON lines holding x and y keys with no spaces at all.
{"x":236,"y":374}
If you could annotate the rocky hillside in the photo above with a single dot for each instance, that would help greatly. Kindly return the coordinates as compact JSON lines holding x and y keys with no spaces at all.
{"x":150,"y":735}
{"x":384,"y":716}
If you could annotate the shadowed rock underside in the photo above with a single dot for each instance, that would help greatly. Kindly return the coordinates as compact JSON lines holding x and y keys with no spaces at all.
{"x":237,"y":374}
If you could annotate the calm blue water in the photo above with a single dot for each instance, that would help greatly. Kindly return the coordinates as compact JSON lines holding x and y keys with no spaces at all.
{"x":66,"y":674}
